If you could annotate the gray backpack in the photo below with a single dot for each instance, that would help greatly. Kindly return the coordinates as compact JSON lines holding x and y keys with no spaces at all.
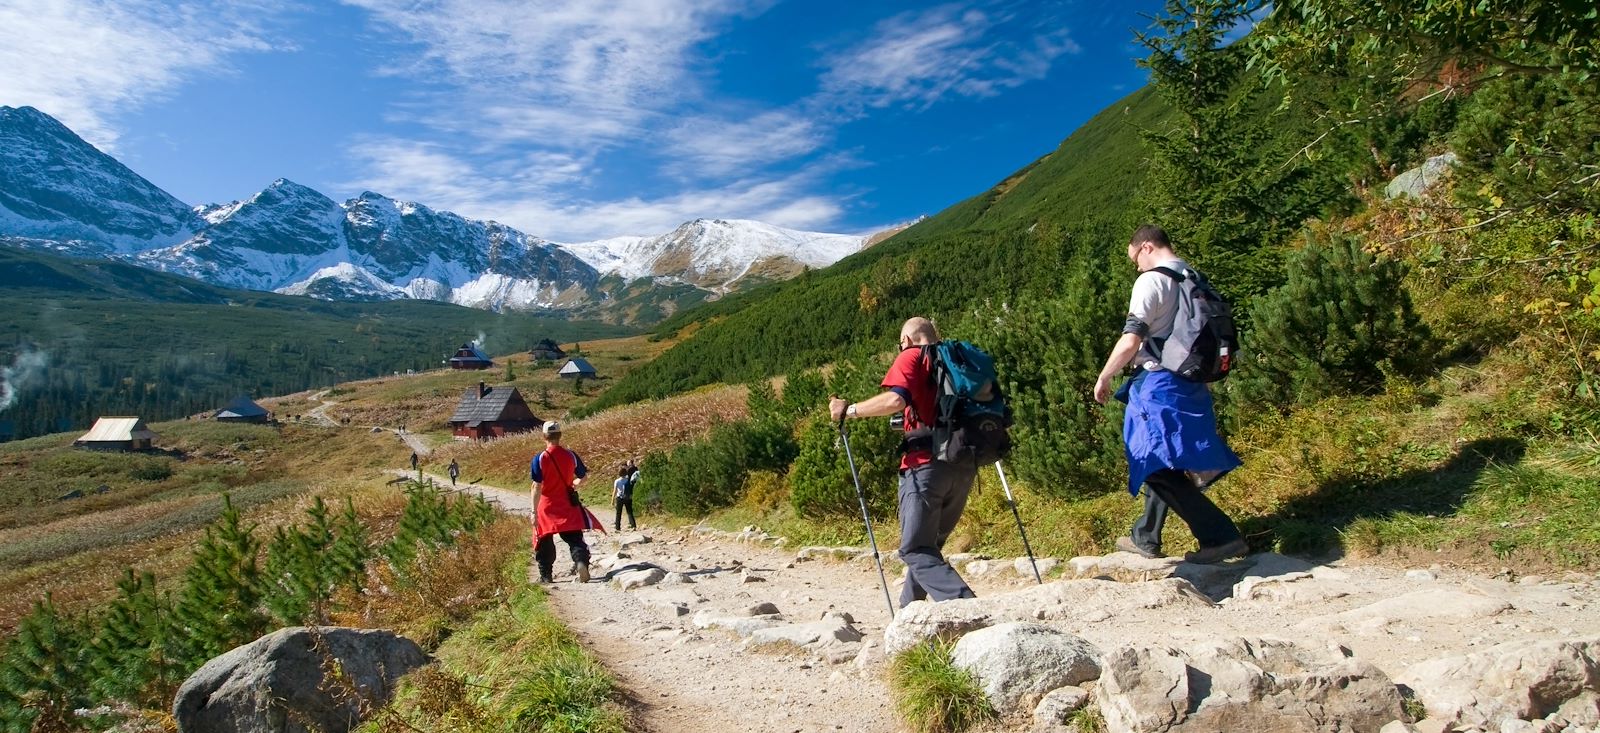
{"x":1204,"y":340}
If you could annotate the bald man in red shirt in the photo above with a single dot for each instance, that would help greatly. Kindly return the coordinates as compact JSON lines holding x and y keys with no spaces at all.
{"x":932,"y":493}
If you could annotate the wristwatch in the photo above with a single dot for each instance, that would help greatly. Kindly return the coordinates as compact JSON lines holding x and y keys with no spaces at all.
{"x":850,"y":411}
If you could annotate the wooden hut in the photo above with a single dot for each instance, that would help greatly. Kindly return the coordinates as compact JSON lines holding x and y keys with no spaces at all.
{"x":117,"y":434}
{"x":490,"y":412}
{"x":469,"y":356}
{"x":547,"y":350}
{"x":242,"y":409}
{"x":577,"y":368}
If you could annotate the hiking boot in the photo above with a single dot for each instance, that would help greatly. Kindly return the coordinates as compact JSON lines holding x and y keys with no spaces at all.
{"x":1126,"y":544}
{"x":544,"y":577}
{"x":582,"y":571}
{"x":1213,"y":555}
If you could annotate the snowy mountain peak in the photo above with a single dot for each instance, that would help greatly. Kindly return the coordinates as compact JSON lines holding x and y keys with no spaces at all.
{"x":716,"y":254}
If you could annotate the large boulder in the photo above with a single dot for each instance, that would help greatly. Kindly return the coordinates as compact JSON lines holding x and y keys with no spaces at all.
{"x":1243,"y":684}
{"x":1418,"y":180}
{"x":1062,"y":599}
{"x":279,"y":682}
{"x":1017,"y":663}
{"x":1519,"y":680}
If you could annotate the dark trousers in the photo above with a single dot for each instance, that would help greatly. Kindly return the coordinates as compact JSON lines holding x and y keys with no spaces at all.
{"x":544,"y":551}
{"x":932,"y":497}
{"x":1171,"y":488}
{"x":628,"y":505}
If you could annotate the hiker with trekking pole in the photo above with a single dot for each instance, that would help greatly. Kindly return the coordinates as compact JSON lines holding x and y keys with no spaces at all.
{"x":933,"y":491}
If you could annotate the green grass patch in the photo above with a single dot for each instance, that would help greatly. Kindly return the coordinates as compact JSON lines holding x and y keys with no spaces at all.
{"x":931,"y":695}
{"x":515,"y":668}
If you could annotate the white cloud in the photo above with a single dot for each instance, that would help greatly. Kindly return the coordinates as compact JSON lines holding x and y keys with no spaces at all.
{"x":721,"y":146}
{"x":86,"y":61}
{"x":920,"y":57}
{"x":526,"y":194}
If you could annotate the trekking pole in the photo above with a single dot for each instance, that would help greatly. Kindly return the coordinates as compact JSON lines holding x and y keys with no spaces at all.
{"x":861,"y":496}
{"x":1013,"y":502}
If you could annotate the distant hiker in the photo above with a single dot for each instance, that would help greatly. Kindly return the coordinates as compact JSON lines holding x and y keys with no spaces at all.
{"x":622,"y":493}
{"x":557,"y":474}
{"x":414,"y":463}
{"x":1170,"y":426}
{"x":932,"y":493}
{"x":455,"y":470}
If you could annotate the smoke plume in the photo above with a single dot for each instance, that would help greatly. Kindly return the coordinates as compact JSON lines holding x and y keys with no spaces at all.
{"x":27,"y":368}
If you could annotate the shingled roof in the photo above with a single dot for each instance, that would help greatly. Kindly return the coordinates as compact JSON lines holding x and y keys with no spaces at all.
{"x":485,"y":408}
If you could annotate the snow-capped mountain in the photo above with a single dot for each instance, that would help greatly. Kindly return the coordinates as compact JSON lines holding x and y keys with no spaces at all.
{"x":55,"y":186}
{"x":59,"y":192}
{"x":717,"y":254}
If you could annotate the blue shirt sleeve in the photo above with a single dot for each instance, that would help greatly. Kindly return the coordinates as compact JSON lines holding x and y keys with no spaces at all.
{"x":581,"y":471}
{"x":533,"y":469}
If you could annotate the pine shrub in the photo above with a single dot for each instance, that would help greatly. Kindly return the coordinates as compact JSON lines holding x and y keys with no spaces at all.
{"x":129,"y":655}
{"x":1340,"y":325}
{"x":219,"y":604}
{"x":43,"y":673}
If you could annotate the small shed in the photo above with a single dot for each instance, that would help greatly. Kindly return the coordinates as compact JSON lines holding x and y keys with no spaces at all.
{"x":469,"y":356}
{"x":242,"y":409}
{"x":577,"y":368}
{"x":117,"y":433}
{"x":547,"y":350}
{"x":490,"y":412}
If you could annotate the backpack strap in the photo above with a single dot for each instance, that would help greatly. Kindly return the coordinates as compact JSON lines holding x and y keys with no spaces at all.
{"x":1169,"y":272}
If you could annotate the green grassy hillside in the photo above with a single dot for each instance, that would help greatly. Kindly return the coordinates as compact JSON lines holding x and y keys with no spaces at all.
{"x":110,"y":338}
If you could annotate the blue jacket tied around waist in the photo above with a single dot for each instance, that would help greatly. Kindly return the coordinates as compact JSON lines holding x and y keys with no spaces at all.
{"x":1170,"y":423}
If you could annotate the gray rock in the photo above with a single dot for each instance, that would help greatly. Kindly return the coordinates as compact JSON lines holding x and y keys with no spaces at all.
{"x":1421,"y":575}
{"x":276,"y":684}
{"x":1519,"y":680}
{"x":1061,"y":599}
{"x":1025,"y":568}
{"x":828,"y":553}
{"x":639,"y":578}
{"x":831,"y":630}
{"x":1419,"y":608}
{"x":1056,"y":708}
{"x":738,"y":625}
{"x":1243,"y":684}
{"x":624,"y":541}
{"x":1418,"y":180}
{"x":1017,"y":663}
{"x":1289,"y":588}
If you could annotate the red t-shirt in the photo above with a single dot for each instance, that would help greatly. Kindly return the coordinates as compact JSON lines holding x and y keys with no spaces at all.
{"x":911,"y":377}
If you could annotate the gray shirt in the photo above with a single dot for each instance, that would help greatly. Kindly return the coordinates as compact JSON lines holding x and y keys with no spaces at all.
{"x":1152,"y":311}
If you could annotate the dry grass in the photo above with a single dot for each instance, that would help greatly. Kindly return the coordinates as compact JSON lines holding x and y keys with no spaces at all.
{"x":604,"y":441}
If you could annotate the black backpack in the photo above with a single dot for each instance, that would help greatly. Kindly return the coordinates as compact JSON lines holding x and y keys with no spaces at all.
{"x":1203,"y":340}
{"x":973,"y":421}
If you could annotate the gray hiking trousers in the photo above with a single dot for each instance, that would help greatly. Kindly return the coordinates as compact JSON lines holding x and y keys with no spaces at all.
{"x":932,"y":497}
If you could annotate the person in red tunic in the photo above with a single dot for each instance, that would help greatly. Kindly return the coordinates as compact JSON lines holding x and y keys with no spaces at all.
{"x":557,"y":474}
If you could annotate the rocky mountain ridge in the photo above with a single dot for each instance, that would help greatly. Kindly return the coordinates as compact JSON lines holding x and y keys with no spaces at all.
{"x":58,"y":192}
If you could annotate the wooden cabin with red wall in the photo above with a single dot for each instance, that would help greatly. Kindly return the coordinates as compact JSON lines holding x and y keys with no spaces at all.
{"x":490,"y":412}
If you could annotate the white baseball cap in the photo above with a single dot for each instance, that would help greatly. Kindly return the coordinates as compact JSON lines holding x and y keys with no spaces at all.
{"x":552,"y":428}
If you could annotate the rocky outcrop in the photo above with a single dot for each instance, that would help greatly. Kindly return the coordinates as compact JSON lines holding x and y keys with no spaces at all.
{"x":1523,"y":680}
{"x":1418,"y":180}
{"x":296,"y":680}
{"x":1243,"y":685}
{"x":1065,"y":599}
{"x":1018,"y":663}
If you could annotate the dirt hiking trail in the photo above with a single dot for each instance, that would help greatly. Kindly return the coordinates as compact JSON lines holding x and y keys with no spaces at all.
{"x":717,"y":631}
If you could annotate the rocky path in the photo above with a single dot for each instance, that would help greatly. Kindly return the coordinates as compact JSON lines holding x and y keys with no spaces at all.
{"x":712,"y":631}
{"x":319,"y":414}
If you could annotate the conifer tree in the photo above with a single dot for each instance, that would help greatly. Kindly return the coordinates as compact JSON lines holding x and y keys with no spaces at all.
{"x":1339,"y":325}
{"x":352,"y":548}
{"x":129,"y":654}
{"x":1215,"y":182}
{"x":298,"y":576}
{"x":43,"y":673}
{"x":218,"y":606}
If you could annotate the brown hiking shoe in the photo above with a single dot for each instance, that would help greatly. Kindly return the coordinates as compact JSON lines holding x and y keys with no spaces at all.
{"x":1126,"y":544}
{"x":1213,"y":555}
{"x":582,"y":570}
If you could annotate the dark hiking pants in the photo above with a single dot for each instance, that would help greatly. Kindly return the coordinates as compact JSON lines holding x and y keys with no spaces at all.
{"x":931,"y":499}
{"x":544,"y":551}
{"x":1171,"y":488}
{"x":628,"y":505}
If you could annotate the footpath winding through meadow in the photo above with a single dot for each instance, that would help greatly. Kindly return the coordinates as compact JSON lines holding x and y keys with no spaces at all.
{"x":709,"y":630}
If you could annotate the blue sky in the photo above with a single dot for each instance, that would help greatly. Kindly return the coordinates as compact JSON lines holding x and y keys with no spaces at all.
{"x":578,"y":120}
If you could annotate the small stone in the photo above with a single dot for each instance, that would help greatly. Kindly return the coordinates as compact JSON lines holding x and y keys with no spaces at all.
{"x":1097,"y":615}
{"x":1420,"y":575}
